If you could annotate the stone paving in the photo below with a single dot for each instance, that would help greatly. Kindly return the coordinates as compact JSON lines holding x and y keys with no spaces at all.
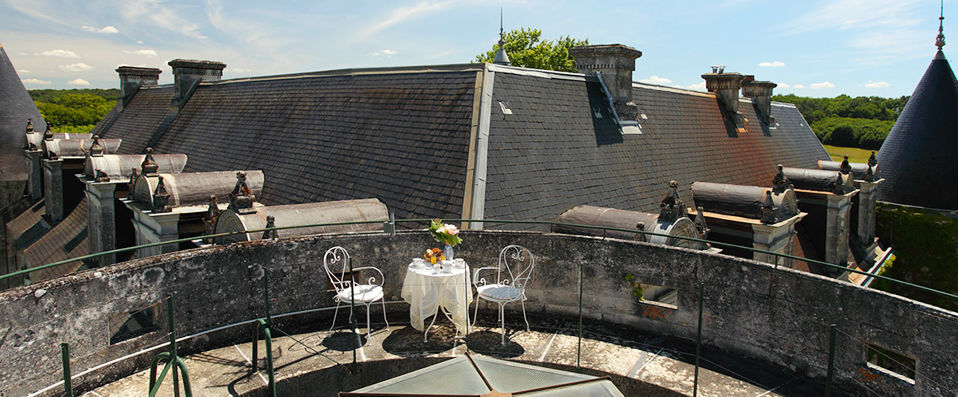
{"x":627,"y":356}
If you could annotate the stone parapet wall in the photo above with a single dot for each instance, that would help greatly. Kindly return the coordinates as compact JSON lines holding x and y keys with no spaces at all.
{"x":777,"y":316}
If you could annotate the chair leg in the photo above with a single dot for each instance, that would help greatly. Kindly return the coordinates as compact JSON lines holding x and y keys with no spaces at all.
{"x":384,"y":314}
{"x":502,"y":322}
{"x":368,"y":329}
{"x":338,"y":302}
{"x":476,"y":313}
{"x":524,"y":314}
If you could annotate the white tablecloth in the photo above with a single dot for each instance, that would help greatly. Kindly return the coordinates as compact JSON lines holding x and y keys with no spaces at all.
{"x":426,"y":290}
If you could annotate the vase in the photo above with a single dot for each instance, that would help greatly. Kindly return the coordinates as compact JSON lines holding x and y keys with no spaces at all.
{"x":448,"y":252}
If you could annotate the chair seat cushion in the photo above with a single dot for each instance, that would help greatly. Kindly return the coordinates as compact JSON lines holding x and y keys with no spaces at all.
{"x":365,"y":293}
{"x":499,"y":293}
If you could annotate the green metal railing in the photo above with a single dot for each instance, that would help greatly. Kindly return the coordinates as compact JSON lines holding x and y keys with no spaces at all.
{"x":176,"y":364}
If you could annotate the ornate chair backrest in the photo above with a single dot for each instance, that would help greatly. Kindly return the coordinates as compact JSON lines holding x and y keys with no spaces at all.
{"x":336,"y":263}
{"x":516,"y":264}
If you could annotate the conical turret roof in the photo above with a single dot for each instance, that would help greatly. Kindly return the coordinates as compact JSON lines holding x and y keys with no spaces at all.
{"x":15,"y":108}
{"x":919,"y":159}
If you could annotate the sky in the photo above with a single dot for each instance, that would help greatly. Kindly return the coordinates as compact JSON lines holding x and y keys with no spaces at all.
{"x":809,"y":47}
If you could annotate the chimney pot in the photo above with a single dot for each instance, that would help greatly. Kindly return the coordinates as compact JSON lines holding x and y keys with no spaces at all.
{"x":615,"y":62}
{"x":133,"y":78}
{"x":726,"y":87}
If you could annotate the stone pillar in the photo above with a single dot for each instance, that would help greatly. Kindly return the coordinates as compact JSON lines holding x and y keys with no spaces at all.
{"x":53,"y":189}
{"x":838,"y":227}
{"x":35,"y":179}
{"x":155,"y":228}
{"x":101,"y":218}
{"x":867,"y":196}
{"x":778,"y":237}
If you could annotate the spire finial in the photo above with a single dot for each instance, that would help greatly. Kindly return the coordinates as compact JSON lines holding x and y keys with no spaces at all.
{"x":940,"y":40}
{"x":501,"y":57}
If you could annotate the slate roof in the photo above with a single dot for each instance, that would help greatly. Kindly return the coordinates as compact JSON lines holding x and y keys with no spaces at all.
{"x":400,"y":137}
{"x":549,"y":155}
{"x":138,"y":121}
{"x":15,"y":108}
{"x":918,"y":158}
{"x":68,"y":239}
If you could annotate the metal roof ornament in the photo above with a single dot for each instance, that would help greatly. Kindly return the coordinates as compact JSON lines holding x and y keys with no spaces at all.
{"x":780,"y":183}
{"x":838,"y":187}
{"x":700,"y":225}
{"x":270,"y":223}
{"x":96,"y":149}
{"x":870,"y":172}
{"x":501,"y":57}
{"x":672,"y":207}
{"x":161,"y":198}
{"x":846,"y":167}
{"x":940,"y":40}
{"x":48,"y":134}
{"x":29,"y":126}
{"x":149,"y":166}
{"x":133,"y":175}
{"x":241,"y":198}
{"x":872,"y":160}
{"x":209,"y":220}
{"x":768,"y":209}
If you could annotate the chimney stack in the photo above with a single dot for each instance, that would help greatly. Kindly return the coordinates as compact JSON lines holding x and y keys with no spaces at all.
{"x":133,"y":78}
{"x":761,"y":94}
{"x":726,"y":87}
{"x":615,"y":62}
{"x":187,"y":75}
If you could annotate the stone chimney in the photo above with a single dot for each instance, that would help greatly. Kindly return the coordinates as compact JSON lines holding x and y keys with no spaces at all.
{"x":761,"y":94}
{"x":187,"y":75}
{"x":726,"y":87}
{"x":615,"y":62}
{"x":133,"y":78}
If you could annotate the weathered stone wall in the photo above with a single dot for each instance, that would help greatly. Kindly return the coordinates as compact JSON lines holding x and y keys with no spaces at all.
{"x":777,"y":316}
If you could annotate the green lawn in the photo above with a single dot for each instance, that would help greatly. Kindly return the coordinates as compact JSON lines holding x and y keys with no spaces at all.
{"x":855,"y":155}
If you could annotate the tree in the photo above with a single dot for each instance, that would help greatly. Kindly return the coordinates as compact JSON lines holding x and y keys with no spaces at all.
{"x":74,"y":112}
{"x":526,"y":48}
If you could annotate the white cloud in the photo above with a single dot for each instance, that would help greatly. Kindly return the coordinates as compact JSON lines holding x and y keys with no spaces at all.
{"x":23,"y":71}
{"x":78,"y":82}
{"x":783,"y":85}
{"x":656,"y":80}
{"x":387,"y":53}
{"x":797,"y":86}
{"x":824,"y":84}
{"x":36,"y":81}
{"x":106,"y":29}
{"x":152,"y":12}
{"x":149,"y":53}
{"x":401,"y":14}
{"x":700,"y":86}
{"x":59,"y":53}
{"x":773,"y":64}
{"x":76,"y":67}
{"x":877,"y":84}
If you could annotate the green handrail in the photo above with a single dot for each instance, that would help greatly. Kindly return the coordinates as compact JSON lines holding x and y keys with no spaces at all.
{"x":172,"y":361}
{"x":502,"y":221}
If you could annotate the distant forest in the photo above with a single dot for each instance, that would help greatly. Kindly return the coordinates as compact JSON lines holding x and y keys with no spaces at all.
{"x":861,"y":122}
{"x":76,"y":110}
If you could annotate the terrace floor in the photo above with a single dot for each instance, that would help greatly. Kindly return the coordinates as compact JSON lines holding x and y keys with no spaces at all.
{"x":320,"y":363}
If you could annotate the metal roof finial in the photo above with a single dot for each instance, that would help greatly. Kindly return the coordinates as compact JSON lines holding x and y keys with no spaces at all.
{"x":940,"y":40}
{"x":501,"y":57}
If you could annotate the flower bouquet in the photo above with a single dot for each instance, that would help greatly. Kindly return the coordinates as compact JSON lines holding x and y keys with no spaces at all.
{"x":445,"y":233}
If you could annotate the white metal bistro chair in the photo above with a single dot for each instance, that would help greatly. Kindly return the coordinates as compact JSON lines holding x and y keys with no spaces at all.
{"x":336,"y":264}
{"x":512,"y":275}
